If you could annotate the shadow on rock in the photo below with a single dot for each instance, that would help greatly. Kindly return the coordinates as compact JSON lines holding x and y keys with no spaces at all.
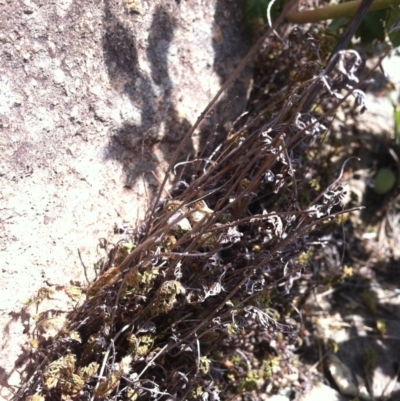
{"x":133,"y":144}
{"x":141,"y":145}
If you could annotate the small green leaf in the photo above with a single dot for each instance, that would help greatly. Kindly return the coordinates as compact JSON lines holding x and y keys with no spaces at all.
{"x":393,"y":33}
{"x":337,"y":23}
{"x":396,"y":112}
{"x":384,"y":181}
{"x":257,"y":9}
{"x":396,"y":119}
{"x":372,"y":27}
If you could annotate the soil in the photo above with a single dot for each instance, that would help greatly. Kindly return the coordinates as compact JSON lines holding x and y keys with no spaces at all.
{"x":94,"y":98}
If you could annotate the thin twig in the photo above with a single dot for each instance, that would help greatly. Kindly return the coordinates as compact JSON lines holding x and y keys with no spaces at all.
{"x":214,"y":100}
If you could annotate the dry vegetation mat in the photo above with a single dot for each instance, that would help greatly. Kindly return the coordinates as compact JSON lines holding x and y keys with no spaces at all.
{"x":199,"y":302}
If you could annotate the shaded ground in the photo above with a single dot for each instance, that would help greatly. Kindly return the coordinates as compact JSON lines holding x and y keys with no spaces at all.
{"x":358,"y":317}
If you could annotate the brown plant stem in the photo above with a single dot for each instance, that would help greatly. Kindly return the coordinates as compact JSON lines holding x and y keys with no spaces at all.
{"x":347,"y":9}
{"x":361,"y":11}
{"x":213,"y":102}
